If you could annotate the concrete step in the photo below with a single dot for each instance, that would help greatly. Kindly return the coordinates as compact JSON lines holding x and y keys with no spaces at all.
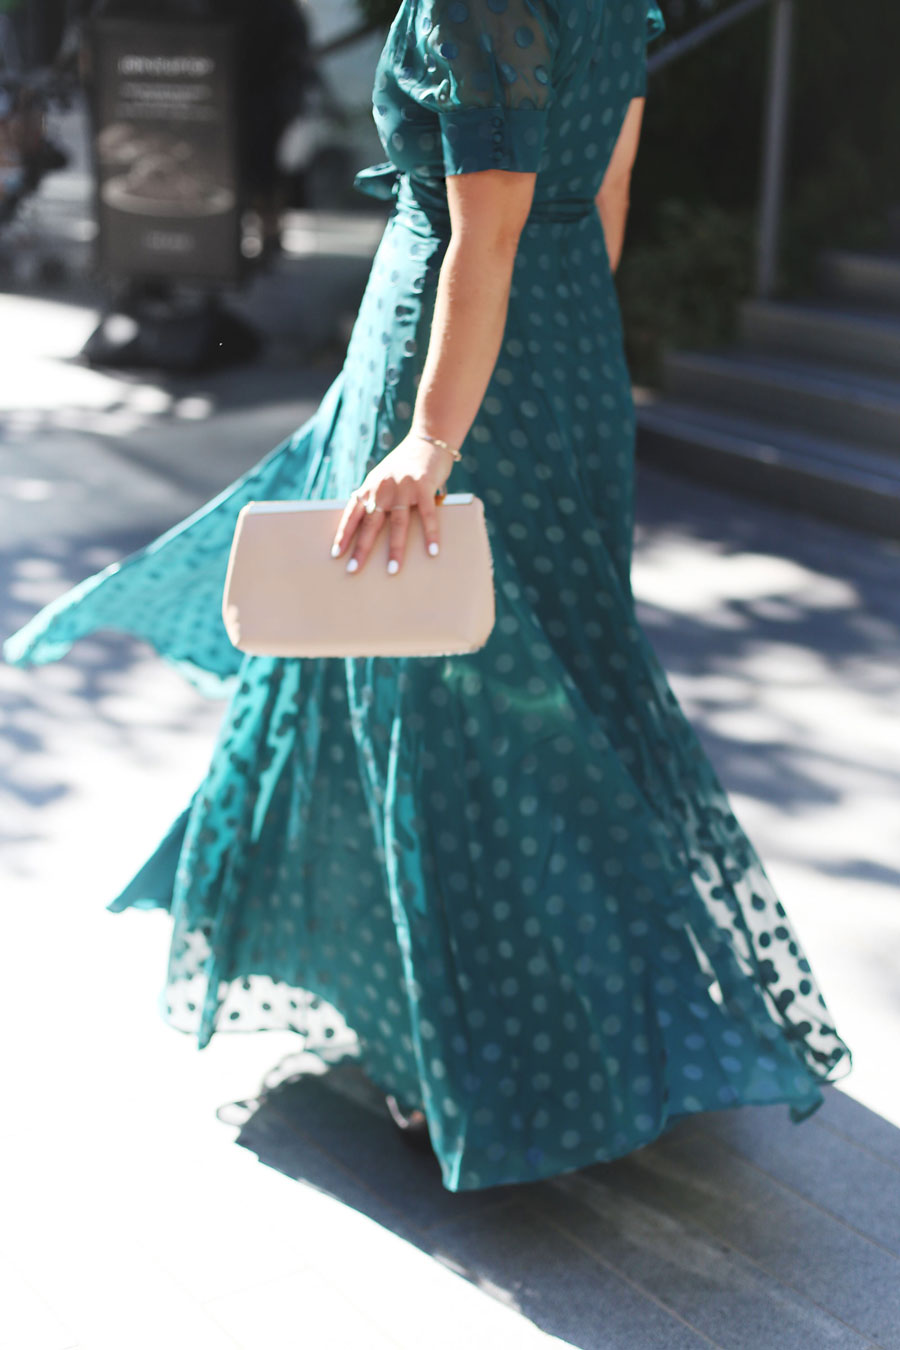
{"x":822,"y":332}
{"x":861,"y":278}
{"x":806,"y":396}
{"x":820,"y":476}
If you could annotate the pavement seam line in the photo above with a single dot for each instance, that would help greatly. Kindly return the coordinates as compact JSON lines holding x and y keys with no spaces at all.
{"x":626,"y":1279}
{"x":867,"y":1237}
{"x":786,"y":1284}
{"x":863,"y":1148}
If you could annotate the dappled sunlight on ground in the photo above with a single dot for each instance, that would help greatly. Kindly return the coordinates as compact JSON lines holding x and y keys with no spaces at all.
{"x":781,"y":638}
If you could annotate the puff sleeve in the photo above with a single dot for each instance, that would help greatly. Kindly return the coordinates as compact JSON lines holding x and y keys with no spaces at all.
{"x":485,"y":68}
{"x":656,"y":26}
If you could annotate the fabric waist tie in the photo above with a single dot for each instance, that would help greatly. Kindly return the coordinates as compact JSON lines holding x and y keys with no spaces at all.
{"x":415,"y":195}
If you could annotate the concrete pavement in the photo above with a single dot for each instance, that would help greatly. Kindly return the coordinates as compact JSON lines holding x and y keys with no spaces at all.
{"x":135,"y":1218}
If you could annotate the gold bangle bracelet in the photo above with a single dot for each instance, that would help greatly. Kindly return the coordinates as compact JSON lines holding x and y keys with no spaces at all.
{"x":435,"y":440}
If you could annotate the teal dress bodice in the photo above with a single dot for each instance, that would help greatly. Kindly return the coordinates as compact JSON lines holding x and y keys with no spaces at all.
{"x":521,"y":85}
{"x":508,"y":882}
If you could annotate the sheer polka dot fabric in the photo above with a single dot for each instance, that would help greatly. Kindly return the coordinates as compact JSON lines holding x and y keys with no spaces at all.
{"x":463,"y":87}
{"x":509,"y":884}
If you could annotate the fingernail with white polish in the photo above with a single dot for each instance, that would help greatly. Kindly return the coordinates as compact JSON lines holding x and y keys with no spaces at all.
{"x":352,"y":565}
{"x":393,"y":566}
{"x":433,"y":547}
{"x":335,"y":550}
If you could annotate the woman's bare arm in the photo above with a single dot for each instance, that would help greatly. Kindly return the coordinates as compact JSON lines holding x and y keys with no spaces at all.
{"x":487,"y":213}
{"x":613,"y":198}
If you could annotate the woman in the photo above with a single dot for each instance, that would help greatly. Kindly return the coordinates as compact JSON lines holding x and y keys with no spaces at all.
{"x":508,"y":883}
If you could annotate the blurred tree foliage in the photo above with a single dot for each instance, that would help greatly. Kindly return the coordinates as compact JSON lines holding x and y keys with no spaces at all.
{"x":690,"y":252}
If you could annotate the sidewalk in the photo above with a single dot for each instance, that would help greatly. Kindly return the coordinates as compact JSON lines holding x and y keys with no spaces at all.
{"x":136,"y":1219}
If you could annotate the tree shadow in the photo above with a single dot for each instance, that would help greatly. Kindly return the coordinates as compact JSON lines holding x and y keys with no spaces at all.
{"x":814,"y":615}
{"x":763,"y":752}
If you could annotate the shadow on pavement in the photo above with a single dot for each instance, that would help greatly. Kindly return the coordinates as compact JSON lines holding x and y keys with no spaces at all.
{"x":782,"y":635}
{"x":735,"y":1227}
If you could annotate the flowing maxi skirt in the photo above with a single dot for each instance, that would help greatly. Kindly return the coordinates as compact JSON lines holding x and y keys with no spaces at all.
{"x":508,"y":883}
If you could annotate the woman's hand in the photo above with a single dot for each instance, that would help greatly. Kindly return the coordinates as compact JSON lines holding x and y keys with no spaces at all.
{"x":408,"y":477}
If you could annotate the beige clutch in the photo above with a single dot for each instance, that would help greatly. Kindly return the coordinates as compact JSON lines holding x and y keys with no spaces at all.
{"x":286,"y":596}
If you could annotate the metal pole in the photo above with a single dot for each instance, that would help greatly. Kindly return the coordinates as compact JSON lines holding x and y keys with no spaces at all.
{"x":774,"y":147}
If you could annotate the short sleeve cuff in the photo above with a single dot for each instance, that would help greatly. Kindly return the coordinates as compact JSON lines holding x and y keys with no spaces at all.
{"x":656,"y":24}
{"x":475,"y":139}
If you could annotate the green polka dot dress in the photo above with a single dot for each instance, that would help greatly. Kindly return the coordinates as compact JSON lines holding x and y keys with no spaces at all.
{"x":509,"y":883}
